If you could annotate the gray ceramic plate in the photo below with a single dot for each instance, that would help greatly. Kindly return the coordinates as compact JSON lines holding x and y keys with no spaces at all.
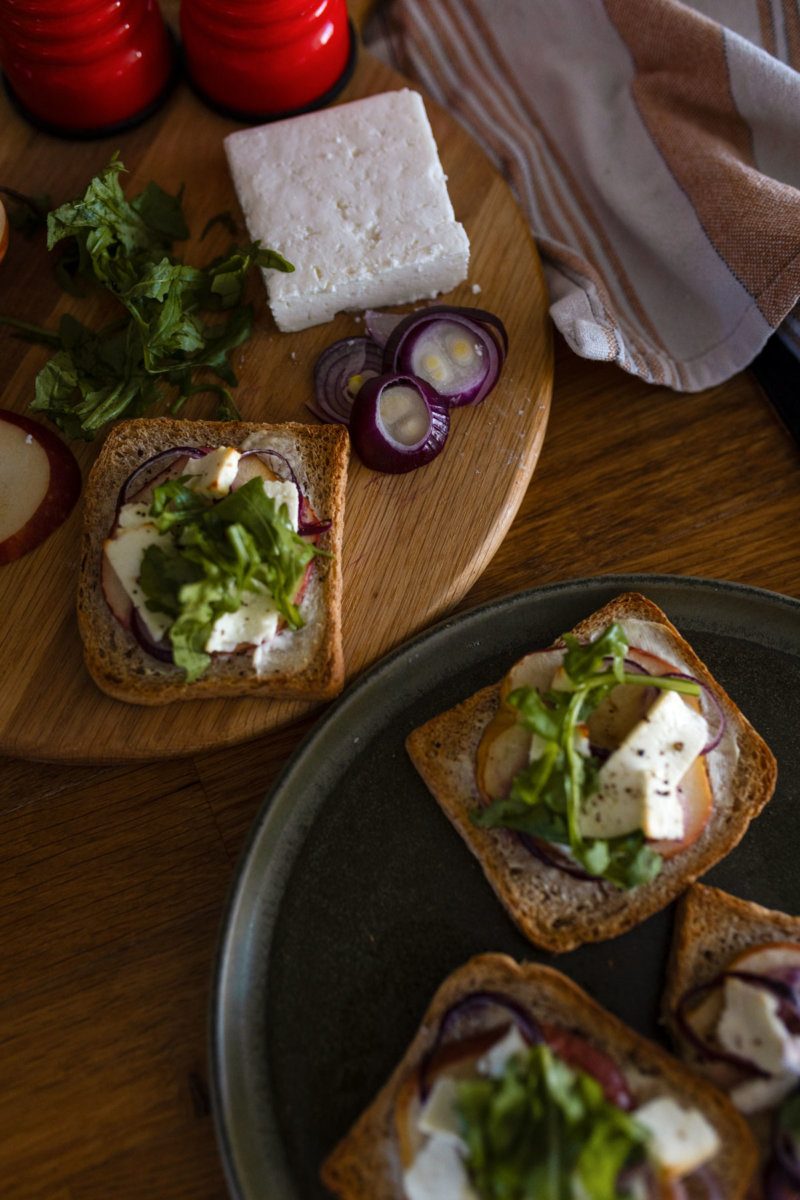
{"x":355,"y":897}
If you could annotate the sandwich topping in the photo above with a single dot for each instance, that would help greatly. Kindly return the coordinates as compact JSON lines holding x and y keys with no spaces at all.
{"x":209,"y":553}
{"x":525,"y":1108}
{"x":597,"y":758}
{"x":745,"y":1025}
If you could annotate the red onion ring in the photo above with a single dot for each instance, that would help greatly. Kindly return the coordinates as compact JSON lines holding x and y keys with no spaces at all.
{"x":716,"y":736}
{"x":334,"y":369}
{"x":528,"y":1026}
{"x":487,"y":329}
{"x":379,"y":325}
{"x":372,"y":435}
{"x":541,"y":850}
{"x":162,"y":650}
{"x":784,"y":991}
{"x":308,"y":523}
{"x":144,"y":473}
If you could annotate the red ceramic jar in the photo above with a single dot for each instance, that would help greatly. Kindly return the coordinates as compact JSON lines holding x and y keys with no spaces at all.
{"x":85,"y":67}
{"x":261,"y":59}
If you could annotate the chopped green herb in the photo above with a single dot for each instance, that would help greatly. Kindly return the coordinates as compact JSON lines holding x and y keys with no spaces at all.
{"x":242,"y":543}
{"x":544,"y":1129}
{"x":546,"y":796}
{"x":164,"y":337}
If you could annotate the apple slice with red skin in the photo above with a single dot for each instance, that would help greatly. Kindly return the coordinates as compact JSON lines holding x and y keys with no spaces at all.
{"x":40,"y":482}
{"x":504,"y":747}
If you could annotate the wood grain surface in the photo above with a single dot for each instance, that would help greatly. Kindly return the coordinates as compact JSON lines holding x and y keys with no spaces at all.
{"x":113,"y":877}
{"x":413,"y":543}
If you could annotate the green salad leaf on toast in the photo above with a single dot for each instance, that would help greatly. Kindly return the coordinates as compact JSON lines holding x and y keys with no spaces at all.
{"x":174,"y":318}
{"x":546,"y":795}
{"x":217,"y":552}
{"x":545,"y":1129}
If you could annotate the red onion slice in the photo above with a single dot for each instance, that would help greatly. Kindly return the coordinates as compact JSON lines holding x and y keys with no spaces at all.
{"x":162,"y":650}
{"x":380,"y":325}
{"x":149,"y":470}
{"x":549,"y":854}
{"x":710,"y":695}
{"x":308,"y":523}
{"x":398,"y":423}
{"x":339,"y":363}
{"x":783,"y":990}
{"x":476,"y":1002}
{"x":457,"y":351}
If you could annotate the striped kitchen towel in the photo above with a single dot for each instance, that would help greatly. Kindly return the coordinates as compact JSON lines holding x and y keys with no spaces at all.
{"x":654,"y":147}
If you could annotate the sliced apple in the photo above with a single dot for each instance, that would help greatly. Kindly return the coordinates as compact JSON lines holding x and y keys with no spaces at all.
{"x":40,"y":482}
{"x":504,"y":748}
{"x":769,"y":959}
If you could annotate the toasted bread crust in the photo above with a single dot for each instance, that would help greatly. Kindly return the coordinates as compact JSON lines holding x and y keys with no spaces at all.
{"x":554,"y":910}
{"x":307,"y":664}
{"x":366,"y":1163}
{"x":711,"y":928}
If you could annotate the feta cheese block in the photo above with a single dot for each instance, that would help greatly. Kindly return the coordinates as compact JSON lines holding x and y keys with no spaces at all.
{"x":638,"y":785}
{"x":355,"y":198}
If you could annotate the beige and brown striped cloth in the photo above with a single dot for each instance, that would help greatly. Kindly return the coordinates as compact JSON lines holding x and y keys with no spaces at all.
{"x":654,"y":147}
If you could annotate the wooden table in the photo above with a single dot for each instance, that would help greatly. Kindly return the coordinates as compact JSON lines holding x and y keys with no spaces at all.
{"x":113,"y":878}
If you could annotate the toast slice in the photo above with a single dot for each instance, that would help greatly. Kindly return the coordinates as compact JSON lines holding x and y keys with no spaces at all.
{"x":712,"y":928}
{"x":306,"y":664}
{"x":368,"y":1162}
{"x":553,"y":909}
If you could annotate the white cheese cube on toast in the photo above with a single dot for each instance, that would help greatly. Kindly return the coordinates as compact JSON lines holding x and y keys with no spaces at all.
{"x":214,"y":473}
{"x":637,"y":786}
{"x":681,"y":1139}
{"x":439,"y":1116}
{"x":438,"y":1173}
{"x":255,"y":621}
{"x":751,"y":1028}
{"x":355,"y":198}
{"x":493,"y":1062}
{"x":124,"y":552}
{"x":284,"y":493}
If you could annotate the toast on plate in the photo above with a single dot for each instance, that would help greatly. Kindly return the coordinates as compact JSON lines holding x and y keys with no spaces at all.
{"x":731,"y":1004}
{"x":485,"y":1013}
{"x":557,"y":901}
{"x":280,"y":657}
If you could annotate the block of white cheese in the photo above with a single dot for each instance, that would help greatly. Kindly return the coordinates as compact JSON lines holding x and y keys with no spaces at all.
{"x":681,"y":1139}
{"x":751,"y":1027}
{"x":355,"y":198}
{"x":637,"y":786}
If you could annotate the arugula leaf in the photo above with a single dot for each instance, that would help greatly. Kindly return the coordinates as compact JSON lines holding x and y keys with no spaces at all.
{"x":164,"y":336}
{"x":544,"y":1129}
{"x":242,"y":543}
{"x":546,"y":796}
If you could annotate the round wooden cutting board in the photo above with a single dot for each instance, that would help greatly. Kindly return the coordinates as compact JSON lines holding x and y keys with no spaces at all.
{"x":414,"y":544}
